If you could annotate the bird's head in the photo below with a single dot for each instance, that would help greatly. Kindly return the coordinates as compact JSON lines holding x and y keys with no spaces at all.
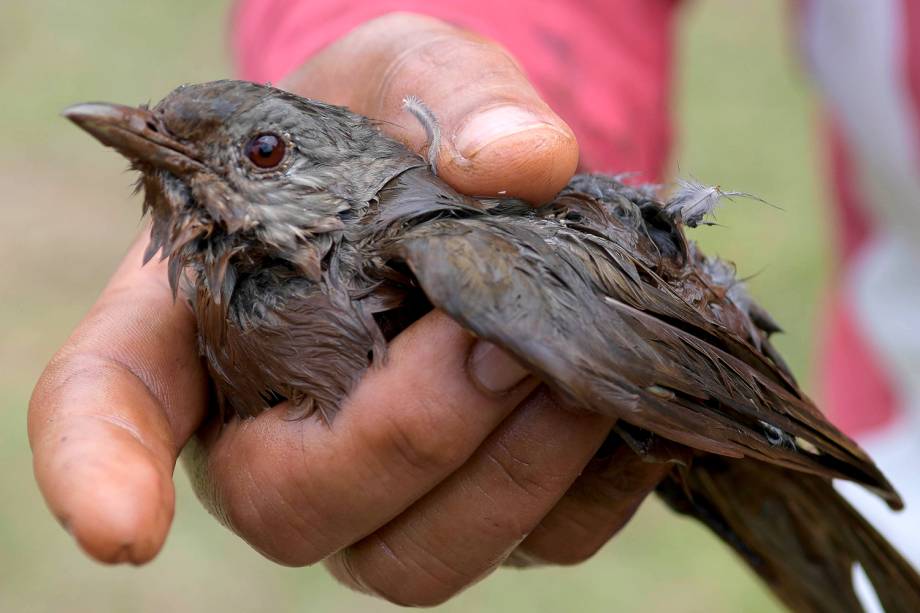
{"x":231,"y":169}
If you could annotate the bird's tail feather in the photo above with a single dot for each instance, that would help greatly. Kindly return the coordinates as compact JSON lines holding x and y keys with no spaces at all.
{"x":796,"y":532}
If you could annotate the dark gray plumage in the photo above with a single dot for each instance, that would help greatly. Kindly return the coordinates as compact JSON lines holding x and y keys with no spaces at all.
{"x":308,"y":238}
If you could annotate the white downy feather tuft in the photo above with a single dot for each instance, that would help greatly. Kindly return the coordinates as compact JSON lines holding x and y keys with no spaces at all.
{"x":693,"y":202}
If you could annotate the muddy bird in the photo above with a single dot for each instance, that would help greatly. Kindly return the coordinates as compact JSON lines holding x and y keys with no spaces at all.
{"x":305,"y":239}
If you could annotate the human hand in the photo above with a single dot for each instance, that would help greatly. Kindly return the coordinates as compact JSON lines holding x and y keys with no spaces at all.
{"x":442,"y":462}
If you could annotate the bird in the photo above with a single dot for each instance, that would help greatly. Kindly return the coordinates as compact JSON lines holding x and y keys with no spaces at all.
{"x":305,"y":239}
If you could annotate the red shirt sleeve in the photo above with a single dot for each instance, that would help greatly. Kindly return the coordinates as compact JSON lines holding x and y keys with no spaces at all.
{"x":603,"y":65}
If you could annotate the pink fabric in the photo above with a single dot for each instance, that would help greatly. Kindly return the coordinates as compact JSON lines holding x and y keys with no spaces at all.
{"x":911,"y":25}
{"x":853,"y":224}
{"x":603,"y":65}
{"x":855,"y":391}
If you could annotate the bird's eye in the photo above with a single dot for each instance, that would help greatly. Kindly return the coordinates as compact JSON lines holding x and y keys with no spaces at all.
{"x":265,"y":150}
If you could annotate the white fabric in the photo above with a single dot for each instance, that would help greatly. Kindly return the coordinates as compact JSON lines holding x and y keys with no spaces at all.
{"x":855,"y":48}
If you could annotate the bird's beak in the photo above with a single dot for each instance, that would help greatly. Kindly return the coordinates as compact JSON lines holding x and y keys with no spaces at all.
{"x":136,"y":133}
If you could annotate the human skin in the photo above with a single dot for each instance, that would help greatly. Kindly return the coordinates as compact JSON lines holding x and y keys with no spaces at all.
{"x":444,"y":462}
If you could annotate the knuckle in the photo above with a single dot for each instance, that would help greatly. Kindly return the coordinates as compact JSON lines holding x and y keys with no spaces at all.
{"x":64,"y":368}
{"x":425,"y":56}
{"x":73,"y":381}
{"x":425,"y":437}
{"x":432,"y":51}
{"x":416,"y":577}
{"x":280,"y":541}
{"x":272,"y":513}
{"x":504,"y":524}
{"x":529,"y":476}
{"x":574,"y":534}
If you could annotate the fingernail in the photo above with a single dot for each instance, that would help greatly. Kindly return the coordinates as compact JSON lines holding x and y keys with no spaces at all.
{"x":494,"y":124}
{"x":493,"y":370}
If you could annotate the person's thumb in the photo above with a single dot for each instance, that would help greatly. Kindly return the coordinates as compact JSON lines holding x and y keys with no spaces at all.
{"x":497,"y":136}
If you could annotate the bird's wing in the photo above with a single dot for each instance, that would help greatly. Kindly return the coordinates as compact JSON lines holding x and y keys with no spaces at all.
{"x":524,"y":285}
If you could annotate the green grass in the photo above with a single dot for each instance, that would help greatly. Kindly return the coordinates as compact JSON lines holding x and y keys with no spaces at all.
{"x":745,"y":119}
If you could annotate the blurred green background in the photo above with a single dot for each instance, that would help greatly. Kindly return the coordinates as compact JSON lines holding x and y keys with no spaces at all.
{"x":745,"y":121}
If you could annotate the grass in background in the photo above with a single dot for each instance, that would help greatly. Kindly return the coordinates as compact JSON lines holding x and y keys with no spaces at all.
{"x":745,"y":122}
